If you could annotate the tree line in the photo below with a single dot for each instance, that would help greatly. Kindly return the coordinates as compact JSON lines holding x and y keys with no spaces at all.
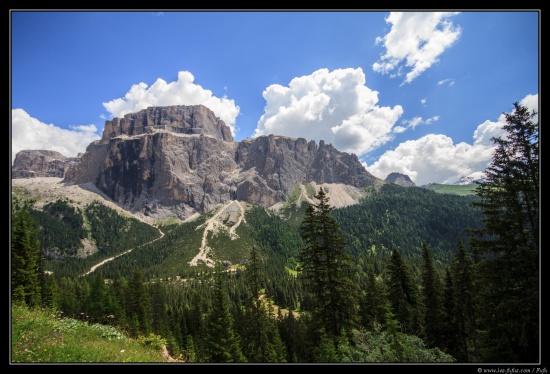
{"x":325,"y":302}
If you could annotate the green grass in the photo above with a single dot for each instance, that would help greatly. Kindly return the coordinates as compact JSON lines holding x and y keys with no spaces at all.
{"x":40,"y":336}
{"x":463,"y":190}
{"x":310,"y":190}
{"x":292,"y":200}
{"x":224,"y":248}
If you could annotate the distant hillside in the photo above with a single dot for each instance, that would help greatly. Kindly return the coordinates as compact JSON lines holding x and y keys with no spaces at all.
{"x":463,"y":190}
{"x":399,"y":218}
{"x":402,"y":218}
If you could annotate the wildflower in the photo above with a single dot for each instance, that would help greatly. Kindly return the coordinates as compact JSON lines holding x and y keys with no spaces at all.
{"x":122,"y":351}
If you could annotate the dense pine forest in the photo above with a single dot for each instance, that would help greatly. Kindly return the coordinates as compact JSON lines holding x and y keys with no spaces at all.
{"x":406,"y":275}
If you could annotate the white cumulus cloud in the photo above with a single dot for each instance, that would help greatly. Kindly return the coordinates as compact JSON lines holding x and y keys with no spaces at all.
{"x":181,"y":92}
{"x":436,"y":159}
{"x":334,"y":106}
{"x":415,"y":42}
{"x":30,"y":133}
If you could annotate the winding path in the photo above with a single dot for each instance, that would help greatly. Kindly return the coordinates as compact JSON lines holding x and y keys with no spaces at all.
{"x":92,"y":269}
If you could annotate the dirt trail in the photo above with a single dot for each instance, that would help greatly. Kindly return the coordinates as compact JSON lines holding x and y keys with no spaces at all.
{"x":92,"y":269}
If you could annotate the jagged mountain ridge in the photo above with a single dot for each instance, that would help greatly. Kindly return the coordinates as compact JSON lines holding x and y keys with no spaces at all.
{"x":178,"y":161}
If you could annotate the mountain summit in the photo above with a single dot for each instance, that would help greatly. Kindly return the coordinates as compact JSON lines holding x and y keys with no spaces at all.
{"x":177,"y":161}
{"x":400,"y":179}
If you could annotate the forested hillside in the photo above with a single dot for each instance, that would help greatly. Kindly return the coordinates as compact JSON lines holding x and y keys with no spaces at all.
{"x":406,"y":275}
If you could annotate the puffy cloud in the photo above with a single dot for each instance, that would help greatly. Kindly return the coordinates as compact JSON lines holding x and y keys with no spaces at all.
{"x":432,"y":158}
{"x":30,"y":133}
{"x":334,"y":106}
{"x":181,"y":92}
{"x":415,"y":42}
{"x":413,"y":122}
{"x":531,"y":102}
{"x":436,"y":159}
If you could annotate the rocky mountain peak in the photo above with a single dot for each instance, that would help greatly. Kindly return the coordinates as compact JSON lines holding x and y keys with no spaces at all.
{"x":178,"y":119}
{"x":400,"y":179}
{"x":177,"y":161}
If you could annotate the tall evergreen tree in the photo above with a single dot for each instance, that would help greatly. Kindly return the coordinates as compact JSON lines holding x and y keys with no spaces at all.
{"x":82,"y":292}
{"x":465,"y":305}
{"x":508,"y":243}
{"x":450,"y":330}
{"x":67,"y":297}
{"x":261,"y":340}
{"x":159,"y":314}
{"x":325,"y":268}
{"x":97,"y":298}
{"x":25,"y":260}
{"x":402,"y":294}
{"x":374,"y":305}
{"x":50,"y":291}
{"x":293,"y":334}
{"x":138,"y":305}
{"x":117,"y":300}
{"x":223,"y":344}
{"x":431,"y":292}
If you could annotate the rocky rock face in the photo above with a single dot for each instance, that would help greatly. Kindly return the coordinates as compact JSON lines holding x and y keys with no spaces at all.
{"x":40,"y":163}
{"x":270,"y":167}
{"x":400,"y":179}
{"x":182,"y":159}
{"x":180,"y":119}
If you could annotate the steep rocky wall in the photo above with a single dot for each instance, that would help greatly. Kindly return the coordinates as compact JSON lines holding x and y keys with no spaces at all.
{"x":182,"y":119}
{"x":40,"y":163}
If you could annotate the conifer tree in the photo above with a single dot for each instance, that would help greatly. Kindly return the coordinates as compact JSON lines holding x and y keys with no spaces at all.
{"x":508,"y":243}
{"x":463,"y":289}
{"x":261,"y":341}
{"x":117,"y":297}
{"x":96,"y":302}
{"x":25,"y":260}
{"x":374,"y":304}
{"x":67,"y":297}
{"x":325,"y":268}
{"x":50,"y":291}
{"x":223,"y":344}
{"x":450,"y":331}
{"x":292,"y":336}
{"x":402,"y":294}
{"x":431,"y":292}
{"x":138,"y":304}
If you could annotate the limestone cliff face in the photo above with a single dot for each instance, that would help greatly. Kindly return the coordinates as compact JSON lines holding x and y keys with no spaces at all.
{"x":181,"y":119}
{"x":186,"y":174}
{"x":181,"y":160}
{"x":271,"y":166}
{"x":40,"y":163}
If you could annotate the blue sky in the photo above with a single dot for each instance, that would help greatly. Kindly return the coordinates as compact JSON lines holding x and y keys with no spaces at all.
{"x":420,"y":93}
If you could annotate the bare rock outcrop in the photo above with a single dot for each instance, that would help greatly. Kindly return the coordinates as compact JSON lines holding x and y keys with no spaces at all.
{"x":400,"y":179}
{"x":181,"y":119}
{"x":40,"y":163}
